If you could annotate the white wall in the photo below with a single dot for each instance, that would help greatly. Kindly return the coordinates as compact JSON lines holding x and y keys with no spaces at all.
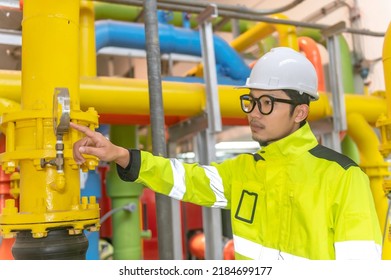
{"x":376,"y":16}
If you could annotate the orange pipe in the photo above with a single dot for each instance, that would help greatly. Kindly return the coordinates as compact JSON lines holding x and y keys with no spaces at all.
{"x":197,"y":245}
{"x":229,"y":250}
{"x":311,"y":51}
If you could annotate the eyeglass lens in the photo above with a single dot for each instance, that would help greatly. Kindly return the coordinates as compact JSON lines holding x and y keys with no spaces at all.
{"x":265,"y":104}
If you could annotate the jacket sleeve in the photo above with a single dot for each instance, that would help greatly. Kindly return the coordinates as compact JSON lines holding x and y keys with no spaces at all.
{"x":356,"y":225}
{"x":198,"y":184}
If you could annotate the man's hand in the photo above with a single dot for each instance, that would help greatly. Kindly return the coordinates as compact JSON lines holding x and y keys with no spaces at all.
{"x":95,"y":144}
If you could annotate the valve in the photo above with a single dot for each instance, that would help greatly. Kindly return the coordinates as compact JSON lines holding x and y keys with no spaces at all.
{"x":61,"y":120}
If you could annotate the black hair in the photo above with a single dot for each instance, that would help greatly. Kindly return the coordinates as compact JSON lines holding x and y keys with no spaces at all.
{"x":299,"y":99}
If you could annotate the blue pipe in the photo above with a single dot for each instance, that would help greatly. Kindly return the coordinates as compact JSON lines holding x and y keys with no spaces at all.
{"x":91,"y":186}
{"x":172,"y":39}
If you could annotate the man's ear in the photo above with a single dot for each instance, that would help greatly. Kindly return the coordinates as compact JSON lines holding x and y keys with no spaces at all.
{"x":301,"y":112}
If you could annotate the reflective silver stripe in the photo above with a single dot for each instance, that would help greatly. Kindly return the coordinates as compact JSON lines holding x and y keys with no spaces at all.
{"x":247,"y":248}
{"x":216,"y":184}
{"x":178,"y":173}
{"x":179,"y":187}
{"x":357,"y":250}
{"x":256,"y":251}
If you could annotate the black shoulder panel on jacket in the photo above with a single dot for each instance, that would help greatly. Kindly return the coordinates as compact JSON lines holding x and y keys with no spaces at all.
{"x":257,"y":157}
{"x":329,"y":154}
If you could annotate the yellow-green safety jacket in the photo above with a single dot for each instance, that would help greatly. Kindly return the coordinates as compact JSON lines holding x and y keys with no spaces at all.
{"x":292,"y":199}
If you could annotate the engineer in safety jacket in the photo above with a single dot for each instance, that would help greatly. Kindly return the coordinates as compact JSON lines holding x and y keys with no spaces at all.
{"x":292,"y":199}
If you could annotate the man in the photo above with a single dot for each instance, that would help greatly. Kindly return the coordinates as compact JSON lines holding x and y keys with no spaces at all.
{"x":293,"y":199}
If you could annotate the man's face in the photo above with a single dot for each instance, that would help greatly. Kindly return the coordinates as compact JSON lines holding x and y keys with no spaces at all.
{"x":276,"y":125}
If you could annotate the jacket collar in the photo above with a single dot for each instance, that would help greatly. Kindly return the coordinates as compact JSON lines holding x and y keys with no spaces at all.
{"x":294,"y":144}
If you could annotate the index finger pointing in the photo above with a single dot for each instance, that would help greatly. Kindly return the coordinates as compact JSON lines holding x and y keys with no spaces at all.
{"x":88,"y":132}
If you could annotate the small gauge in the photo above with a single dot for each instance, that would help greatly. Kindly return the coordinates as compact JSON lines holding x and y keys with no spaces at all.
{"x":61,"y":111}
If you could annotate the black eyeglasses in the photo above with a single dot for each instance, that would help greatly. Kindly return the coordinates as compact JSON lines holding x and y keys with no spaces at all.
{"x":265,"y":103}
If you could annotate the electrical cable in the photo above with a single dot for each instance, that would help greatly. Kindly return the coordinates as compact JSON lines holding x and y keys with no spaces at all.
{"x":129,"y":207}
{"x":237,"y":13}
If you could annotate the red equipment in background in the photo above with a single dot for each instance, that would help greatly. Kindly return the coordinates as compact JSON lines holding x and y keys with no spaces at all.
{"x":5,"y":186}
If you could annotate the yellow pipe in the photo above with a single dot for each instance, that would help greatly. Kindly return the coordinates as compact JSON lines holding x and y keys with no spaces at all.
{"x":384,"y":122}
{"x":251,"y":36}
{"x":50,"y":59}
{"x":286,"y":34}
{"x":50,"y":56}
{"x":387,"y":67}
{"x":87,"y":39}
{"x":374,"y":166}
{"x":111,"y":95}
{"x":7,"y":105}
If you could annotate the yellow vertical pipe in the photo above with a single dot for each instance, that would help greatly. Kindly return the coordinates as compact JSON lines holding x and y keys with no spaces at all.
{"x":87,"y":39}
{"x":49,"y":177}
{"x":387,"y":67}
{"x":372,"y":162}
{"x":50,"y":54}
{"x":287,"y":35}
{"x":50,"y":59}
{"x":384,"y":121}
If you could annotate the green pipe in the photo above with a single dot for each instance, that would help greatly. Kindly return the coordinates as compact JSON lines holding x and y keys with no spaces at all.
{"x":313,"y":34}
{"x":346,"y":64}
{"x":267,"y":44}
{"x":348,"y":147}
{"x":116,"y":11}
{"x":131,"y":13}
{"x":127,"y":233}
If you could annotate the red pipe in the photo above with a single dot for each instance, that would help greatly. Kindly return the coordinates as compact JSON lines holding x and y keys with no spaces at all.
{"x":106,"y":230}
{"x":119,"y":119}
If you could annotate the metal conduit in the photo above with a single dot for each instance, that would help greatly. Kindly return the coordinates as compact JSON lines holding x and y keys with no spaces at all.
{"x":163,"y":203}
{"x":237,"y":12}
{"x":235,"y":8}
{"x":199,"y":6}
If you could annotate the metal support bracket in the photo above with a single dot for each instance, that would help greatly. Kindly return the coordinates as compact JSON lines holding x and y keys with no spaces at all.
{"x":212,"y":222}
{"x":208,"y":56}
{"x":336,"y":84}
{"x":188,"y":128}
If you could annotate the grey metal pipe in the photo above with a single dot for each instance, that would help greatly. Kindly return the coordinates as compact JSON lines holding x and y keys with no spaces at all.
{"x":236,"y":12}
{"x":198,"y":6}
{"x":235,"y":8}
{"x":163,"y":203}
{"x":326,"y":10}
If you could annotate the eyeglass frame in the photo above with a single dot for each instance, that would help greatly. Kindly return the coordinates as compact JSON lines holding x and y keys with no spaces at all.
{"x":257,"y":102}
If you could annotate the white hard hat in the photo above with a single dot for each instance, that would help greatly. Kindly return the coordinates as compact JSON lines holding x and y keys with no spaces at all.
{"x":284,"y":68}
